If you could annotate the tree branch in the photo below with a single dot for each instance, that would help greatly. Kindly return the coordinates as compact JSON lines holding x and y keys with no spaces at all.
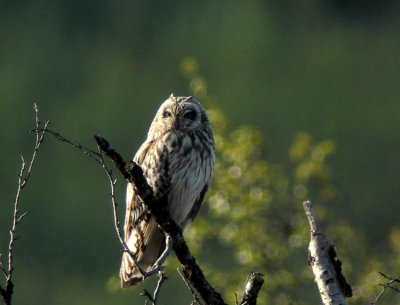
{"x":253,"y":286}
{"x":326,"y":266}
{"x":387,"y":285}
{"x":23,"y":178}
{"x":154,"y":298}
{"x":133,"y":173}
{"x":158,"y":208}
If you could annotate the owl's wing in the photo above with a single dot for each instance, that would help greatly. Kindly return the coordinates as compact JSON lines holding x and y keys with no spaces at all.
{"x":196,"y":207}
{"x":142,"y":235}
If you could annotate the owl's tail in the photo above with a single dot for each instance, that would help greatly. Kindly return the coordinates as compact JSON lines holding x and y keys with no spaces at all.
{"x":153,"y":243}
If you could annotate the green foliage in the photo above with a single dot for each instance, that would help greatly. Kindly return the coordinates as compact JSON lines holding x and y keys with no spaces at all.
{"x":253,"y":218}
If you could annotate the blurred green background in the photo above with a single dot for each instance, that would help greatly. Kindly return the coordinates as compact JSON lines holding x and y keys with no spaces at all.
{"x":327,"y":68}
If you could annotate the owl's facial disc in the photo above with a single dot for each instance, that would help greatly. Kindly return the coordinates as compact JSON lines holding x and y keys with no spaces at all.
{"x":181,"y":114}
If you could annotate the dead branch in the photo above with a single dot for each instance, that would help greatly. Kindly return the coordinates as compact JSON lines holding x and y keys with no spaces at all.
{"x":154,"y":298}
{"x":252,"y":288}
{"x":196,"y":297}
{"x":117,"y":223}
{"x":158,"y":208}
{"x":387,"y":285}
{"x":134,"y":174}
{"x":6,"y":292}
{"x":326,"y":266}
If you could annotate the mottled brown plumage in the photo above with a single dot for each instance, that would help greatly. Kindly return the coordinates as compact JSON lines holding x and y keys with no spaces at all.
{"x":177,"y":159}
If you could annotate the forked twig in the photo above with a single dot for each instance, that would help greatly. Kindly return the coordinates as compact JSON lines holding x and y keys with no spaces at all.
{"x":87,"y":151}
{"x":98,"y":157}
{"x":23,"y":178}
{"x":386,"y":286}
{"x":154,"y":298}
{"x":158,"y":208}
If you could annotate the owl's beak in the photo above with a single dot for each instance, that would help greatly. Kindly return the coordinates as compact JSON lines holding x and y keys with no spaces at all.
{"x":176,"y":124}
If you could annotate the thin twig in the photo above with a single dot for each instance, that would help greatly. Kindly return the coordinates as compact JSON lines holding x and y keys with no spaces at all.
{"x":386,"y":286}
{"x":153,"y":298}
{"x":23,"y":178}
{"x":158,"y":208}
{"x":161,"y":280}
{"x":99,"y":158}
{"x":196,"y":298}
{"x":87,"y":151}
{"x":148,"y":296}
{"x":159,"y":263}
{"x":117,"y":223}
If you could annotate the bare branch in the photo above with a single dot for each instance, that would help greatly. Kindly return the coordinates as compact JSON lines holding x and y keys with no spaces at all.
{"x":98,"y":157}
{"x":23,"y":178}
{"x":326,"y":266}
{"x":88,"y":152}
{"x":153,"y":298}
{"x":386,"y":286}
{"x":161,"y":280}
{"x":158,"y":208}
{"x":159,"y":263}
{"x":253,"y":286}
{"x":196,"y":298}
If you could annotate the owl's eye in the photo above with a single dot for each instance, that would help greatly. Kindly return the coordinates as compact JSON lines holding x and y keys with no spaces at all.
{"x":167,"y":114}
{"x":191,"y":115}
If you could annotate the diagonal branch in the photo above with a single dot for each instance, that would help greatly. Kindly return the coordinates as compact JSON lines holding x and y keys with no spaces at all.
{"x":98,"y":157}
{"x":134,"y":174}
{"x":253,"y":286}
{"x":159,"y":263}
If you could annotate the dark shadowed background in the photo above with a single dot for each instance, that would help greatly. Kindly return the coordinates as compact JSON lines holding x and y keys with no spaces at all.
{"x":329,"y":68}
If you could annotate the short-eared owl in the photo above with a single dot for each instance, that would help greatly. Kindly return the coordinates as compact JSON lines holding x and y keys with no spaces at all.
{"x":177,"y":159}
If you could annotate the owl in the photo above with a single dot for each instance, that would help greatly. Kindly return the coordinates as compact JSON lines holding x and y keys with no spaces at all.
{"x":177,"y":159}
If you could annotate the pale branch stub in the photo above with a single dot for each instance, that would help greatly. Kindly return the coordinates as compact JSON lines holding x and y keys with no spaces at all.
{"x":326,"y":266}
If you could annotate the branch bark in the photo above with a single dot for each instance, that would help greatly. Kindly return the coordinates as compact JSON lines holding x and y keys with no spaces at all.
{"x":326,"y":266}
{"x":158,"y":208}
{"x":133,"y":173}
{"x":253,"y":286}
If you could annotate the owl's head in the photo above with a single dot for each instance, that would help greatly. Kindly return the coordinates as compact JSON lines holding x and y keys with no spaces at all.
{"x":180,"y":113}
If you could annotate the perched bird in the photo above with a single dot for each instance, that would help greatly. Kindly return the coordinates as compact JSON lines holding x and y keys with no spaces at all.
{"x":177,"y":159}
